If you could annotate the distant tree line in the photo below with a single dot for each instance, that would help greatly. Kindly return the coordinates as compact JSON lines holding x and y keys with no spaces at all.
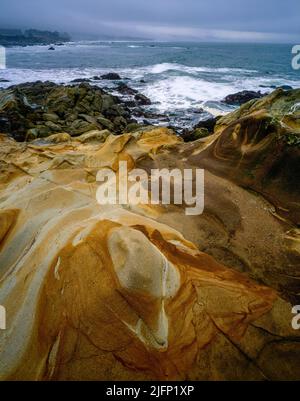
{"x":17,"y":37}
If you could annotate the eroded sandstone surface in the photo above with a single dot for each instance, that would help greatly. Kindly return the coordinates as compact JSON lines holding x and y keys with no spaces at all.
{"x":116,"y":292}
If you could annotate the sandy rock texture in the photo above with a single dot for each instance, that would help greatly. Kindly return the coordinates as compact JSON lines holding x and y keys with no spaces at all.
{"x":116,"y":292}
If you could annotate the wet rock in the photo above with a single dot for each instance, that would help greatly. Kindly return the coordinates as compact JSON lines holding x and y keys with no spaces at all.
{"x":47,"y":108}
{"x":78,"y":80}
{"x":130,"y":103}
{"x":113,"y":76}
{"x":51,"y":117}
{"x":43,"y":130}
{"x":51,"y":48}
{"x":106,"y":123}
{"x":124,"y":89}
{"x":116,"y":110}
{"x":54,"y":127}
{"x":193,"y":135}
{"x":142,"y":99}
{"x":32,"y":134}
{"x":131,"y":127}
{"x":79,"y":127}
{"x":107,"y":102}
{"x":242,"y":97}
{"x":140,"y":112}
{"x":120,"y":124}
{"x":208,"y":124}
{"x":4,"y":124}
{"x":285,"y":87}
{"x":88,"y":118}
{"x":71,"y":117}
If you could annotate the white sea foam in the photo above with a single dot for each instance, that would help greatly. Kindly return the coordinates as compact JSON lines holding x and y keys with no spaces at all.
{"x":164,"y":67}
{"x":183,"y":92}
{"x":171,"y":86}
{"x":18,"y":75}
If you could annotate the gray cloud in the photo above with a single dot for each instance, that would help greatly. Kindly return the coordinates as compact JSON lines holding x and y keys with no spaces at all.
{"x":230,"y":20}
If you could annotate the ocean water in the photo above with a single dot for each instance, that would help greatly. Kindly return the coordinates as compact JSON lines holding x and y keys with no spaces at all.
{"x":181,"y":79}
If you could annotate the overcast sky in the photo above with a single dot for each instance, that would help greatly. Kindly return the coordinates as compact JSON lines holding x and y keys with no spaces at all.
{"x":206,"y":20}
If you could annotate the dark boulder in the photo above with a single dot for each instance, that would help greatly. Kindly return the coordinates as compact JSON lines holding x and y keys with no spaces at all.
{"x":285,"y":87}
{"x":194,"y":134}
{"x":113,"y":76}
{"x":137,"y":99}
{"x":209,"y":123}
{"x":126,"y":90}
{"x":142,"y":99}
{"x":201,"y":130}
{"x":130,"y":103}
{"x":4,"y":124}
{"x":78,"y":80}
{"x":242,"y":97}
{"x":34,"y":110}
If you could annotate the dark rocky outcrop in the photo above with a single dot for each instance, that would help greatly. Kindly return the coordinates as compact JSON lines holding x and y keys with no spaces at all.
{"x":242,"y":97}
{"x":208,"y":123}
{"x":194,"y":134}
{"x":133,"y":98}
{"x":79,"y":80}
{"x":284,"y":87}
{"x":142,"y":99}
{"x":202,"y":129}
{"x":112,"y":76}
{"x":124,"y":89}
{"x":34,"y":110}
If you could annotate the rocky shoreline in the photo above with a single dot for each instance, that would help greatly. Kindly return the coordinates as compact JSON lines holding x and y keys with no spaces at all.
{"x":145,"y":292}
{"x":39,"y":109}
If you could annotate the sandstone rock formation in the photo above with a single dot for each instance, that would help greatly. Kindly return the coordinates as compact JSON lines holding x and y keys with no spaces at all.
{"x":259,"y":149}
{"x":114,"y":292}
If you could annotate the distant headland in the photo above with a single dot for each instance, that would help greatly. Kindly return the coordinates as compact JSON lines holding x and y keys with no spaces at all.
{"x":30,"y":37}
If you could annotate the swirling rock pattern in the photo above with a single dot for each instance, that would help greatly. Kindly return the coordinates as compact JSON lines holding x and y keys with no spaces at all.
{"x":258,"y":147}
{"x":124,"y":292}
